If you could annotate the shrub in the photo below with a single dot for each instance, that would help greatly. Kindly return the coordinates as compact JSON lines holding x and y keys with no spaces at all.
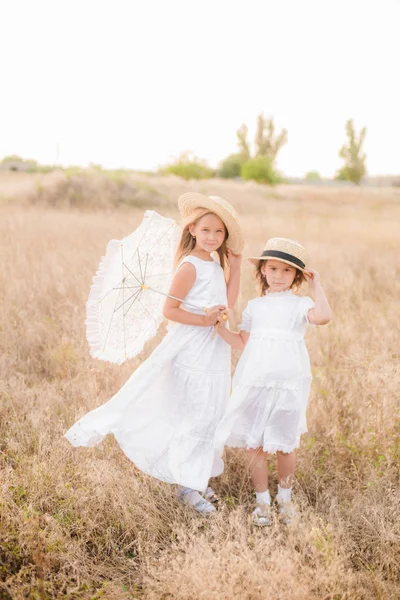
{"x":313,"y":176}
{"x":231,"y":166}
{"x":188,"y":167}
{"x":259,"y":169}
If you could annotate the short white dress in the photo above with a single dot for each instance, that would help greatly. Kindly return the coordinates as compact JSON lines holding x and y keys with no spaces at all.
{"x":165,"y":416}
{"x":271,"y":384}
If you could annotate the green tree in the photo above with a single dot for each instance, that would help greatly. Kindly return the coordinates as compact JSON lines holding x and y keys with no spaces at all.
{"x":261,"y":169}
{"x":354,"y":158}
{"x":267,"y":142}
{"x":244,"y":149}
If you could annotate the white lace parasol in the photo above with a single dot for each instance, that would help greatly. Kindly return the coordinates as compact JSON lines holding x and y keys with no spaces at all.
{"x":126,"y":299}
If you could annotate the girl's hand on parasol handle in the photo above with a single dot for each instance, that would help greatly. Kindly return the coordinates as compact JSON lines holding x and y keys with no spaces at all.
{"x":222,"y":319}
{"x":212,"y":314}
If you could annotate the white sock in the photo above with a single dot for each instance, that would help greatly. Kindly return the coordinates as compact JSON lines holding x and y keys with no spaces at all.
{"x":263,"y":498}
{"x":284,"y":494}
{"x":191,"y":497}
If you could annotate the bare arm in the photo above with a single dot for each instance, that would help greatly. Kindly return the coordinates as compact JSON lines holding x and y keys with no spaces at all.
{"x":181,"y":285}
{"x":236,"y":340}
{"x":233,"y":286}
{"x":321,"y":314}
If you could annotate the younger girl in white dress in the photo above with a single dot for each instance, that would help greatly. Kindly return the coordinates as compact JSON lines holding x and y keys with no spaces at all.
{"x":164,"y":417}
{"x":267,"y":409}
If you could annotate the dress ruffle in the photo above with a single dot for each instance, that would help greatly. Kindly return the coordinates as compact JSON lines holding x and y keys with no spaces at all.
{"x":272,"y":416}
{"x":269,"y":448}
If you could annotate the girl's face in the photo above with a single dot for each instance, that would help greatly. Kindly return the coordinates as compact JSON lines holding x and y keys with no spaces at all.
{"x":279,"y":275}
{"x":209,"y":231}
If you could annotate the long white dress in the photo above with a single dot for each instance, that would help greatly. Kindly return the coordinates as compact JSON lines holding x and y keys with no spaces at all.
{"x":165,"y":416}
{"x":271,"y":384}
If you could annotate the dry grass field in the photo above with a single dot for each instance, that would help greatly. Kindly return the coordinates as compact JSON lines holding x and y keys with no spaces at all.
{"x":80,"y":523}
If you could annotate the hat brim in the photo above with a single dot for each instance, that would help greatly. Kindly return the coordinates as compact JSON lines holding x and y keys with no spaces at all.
{"x":188,"y":202}
{"x":254,"y":261}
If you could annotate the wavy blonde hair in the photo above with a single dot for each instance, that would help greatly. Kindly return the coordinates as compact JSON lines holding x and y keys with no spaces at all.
{"x":187,"y":242}
{"x":263,"y":286}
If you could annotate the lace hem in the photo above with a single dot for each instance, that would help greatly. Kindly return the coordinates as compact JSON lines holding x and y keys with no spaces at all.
{"x":269,"y":448}
{"x":163,"y":465}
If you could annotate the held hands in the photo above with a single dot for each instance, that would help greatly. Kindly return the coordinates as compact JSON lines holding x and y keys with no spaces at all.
{"x":213,"y":315}
{"x":222,"y":320}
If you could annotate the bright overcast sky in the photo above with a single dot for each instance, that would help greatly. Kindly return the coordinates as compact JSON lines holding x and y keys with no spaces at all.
{"x":133,"y":83}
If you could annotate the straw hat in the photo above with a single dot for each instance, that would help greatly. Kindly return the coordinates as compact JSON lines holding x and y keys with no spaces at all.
{"x":190,"y":201}
{"x":287,"y":251}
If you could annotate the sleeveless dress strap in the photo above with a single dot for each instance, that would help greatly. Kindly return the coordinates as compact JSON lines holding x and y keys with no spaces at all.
{"x":188,"y":259}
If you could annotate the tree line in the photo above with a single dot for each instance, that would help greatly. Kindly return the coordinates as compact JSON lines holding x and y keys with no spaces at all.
{"x":260,"y":165}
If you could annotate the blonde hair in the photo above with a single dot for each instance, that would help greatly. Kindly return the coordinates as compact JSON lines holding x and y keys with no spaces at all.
{"x":263,"y":286}
{"x":187,"y":242}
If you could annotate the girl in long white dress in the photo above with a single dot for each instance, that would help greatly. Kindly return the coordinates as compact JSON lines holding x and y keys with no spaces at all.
{"x":164,"y":417}
{"x":266,"y":412}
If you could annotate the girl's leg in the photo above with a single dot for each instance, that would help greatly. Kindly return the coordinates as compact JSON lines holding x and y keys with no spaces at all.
{"x":258,"y":466}
{"x":258,"y":469}
{"x":286,"y":465}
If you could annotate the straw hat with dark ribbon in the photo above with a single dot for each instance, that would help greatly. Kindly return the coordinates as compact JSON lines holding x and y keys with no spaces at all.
{"x":190,"y":201}
{"x":284,"y":250}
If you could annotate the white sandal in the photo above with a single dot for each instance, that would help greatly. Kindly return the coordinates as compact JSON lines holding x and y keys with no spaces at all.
{"x":288,"y":512}
{"x":262,"y":515}
{"x":211,"y":496}
{"x":203,"y":506}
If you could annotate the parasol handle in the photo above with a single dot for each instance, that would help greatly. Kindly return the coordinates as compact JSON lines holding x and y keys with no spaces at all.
{"x":204,"y":309}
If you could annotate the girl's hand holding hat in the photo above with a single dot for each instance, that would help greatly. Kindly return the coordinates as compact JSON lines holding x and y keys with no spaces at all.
{"x":235,"y":260}
{"x":321,"y":314}
{"x":312,"y":278}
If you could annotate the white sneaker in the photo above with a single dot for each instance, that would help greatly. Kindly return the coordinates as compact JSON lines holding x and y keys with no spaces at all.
{"x":262,"y":515}
{"x":193,"y":499}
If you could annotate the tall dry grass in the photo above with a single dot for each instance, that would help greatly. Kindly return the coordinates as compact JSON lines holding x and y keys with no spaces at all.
{"x":79,"y":523}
